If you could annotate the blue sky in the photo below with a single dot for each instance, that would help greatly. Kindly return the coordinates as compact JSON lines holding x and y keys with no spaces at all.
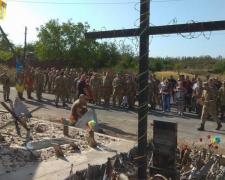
{"x":21,"y":13}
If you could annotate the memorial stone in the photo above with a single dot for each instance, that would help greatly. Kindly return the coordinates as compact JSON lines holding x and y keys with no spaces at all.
{"x":165,"y":147}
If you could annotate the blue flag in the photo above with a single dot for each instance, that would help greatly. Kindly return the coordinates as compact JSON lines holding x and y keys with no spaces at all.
{"x":18,"y":69}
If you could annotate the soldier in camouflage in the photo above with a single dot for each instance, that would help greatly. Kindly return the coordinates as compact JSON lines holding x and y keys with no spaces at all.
{"x":156,"y":93}
{"x":54,"y":76}
{"x":95,"y":85}
{"x":209,"y":107}
{"x":107,"y":87}
{"x":50,"y":75}
{"x":198,"y":94}
{"x":39,"y":83}
{"x":118,"y":87}
{"x":130,"y":91}
{"x":152,"y":89}
{"x":60,"y":88}
{"x":46,"y":78}
{"x":69,"y":85}
{"x":215,"y":89}
{"x":5,"y":80}
{"x":222,"y":99}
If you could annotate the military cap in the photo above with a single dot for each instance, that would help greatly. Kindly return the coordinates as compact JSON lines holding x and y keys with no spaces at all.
{"x":118,"y":72}
{"x":205,"y":84}
{"x":128,"y":76}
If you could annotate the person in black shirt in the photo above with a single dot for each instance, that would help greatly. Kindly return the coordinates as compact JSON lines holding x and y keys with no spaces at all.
{"x":82,"y":89}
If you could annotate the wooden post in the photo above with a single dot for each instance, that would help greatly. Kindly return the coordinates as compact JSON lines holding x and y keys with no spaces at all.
{"x":91,"y":138}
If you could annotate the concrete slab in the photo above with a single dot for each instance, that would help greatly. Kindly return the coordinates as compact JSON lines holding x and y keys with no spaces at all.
{"x":59,"y":169}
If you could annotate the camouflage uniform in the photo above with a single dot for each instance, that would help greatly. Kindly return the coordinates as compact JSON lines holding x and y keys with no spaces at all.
{"x":198,"y":95}
{"x":152,"y":87}
{"x":117,"y":90}
{"x":5,"y":80}
{"x":54,"y":76}
{"x":222,"y":100}
{"x":208,"y":96}
{"x":69,"y":85}
{"x":39,"y":83}
{"x":130,"y":92}
{"x":59,"y":89}
{"x":46,"y":78}
{"x":107,"y":88}
{"x":156,"y":93}
{"x":50,"y":75}
{"x":96,"y":84}
{"x":215,"y":89}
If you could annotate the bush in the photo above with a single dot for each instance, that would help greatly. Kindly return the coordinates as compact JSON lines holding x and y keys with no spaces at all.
{"x":219,"y":66}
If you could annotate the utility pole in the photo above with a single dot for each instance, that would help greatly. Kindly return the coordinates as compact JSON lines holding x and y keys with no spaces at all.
{"x":25,"y":47}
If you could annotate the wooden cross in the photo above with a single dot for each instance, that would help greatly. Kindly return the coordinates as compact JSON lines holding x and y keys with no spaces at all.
{"x":144,"y":31}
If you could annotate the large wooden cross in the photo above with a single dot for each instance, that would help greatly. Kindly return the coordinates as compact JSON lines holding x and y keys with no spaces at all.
{"x":144,"y":31}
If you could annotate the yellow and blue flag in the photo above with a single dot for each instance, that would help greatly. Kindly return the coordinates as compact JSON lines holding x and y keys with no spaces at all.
{"x":2,"y":10}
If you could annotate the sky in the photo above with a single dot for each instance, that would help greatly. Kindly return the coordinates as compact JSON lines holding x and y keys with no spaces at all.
{"x":123,"y":14}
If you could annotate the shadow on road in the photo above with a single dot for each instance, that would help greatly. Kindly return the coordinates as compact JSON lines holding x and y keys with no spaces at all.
{"x":111,"y":109}
{"x":43,"y":104}
{"x":116,"y":130}
{"x":222,"y":132}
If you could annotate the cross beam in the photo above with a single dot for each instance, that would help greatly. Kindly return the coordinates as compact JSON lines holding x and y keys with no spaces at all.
{"x":157,"y":30}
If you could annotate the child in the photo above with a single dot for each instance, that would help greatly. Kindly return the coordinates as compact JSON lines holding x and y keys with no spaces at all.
{"x":124,"y":101}
{"x":180,"y":92}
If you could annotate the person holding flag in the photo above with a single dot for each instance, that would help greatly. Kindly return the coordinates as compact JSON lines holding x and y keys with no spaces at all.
{"x":19,"y":80}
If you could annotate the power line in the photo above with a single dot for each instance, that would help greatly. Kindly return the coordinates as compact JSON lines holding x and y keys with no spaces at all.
{"x":72,"y":3}
{"x":88,"y":3}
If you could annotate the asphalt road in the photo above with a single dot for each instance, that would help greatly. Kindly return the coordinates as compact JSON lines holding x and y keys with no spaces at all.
{"x":122,"y":122}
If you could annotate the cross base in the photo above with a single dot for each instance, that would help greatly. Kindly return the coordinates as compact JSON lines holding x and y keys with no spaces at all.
{"x":173,"y":174}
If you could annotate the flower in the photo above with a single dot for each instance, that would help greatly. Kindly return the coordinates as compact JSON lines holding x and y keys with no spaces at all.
{"x":208,"y":136}
{"x":200,"y":139}
{"x":218,"y":140}
{"x":71,"y":117}
{"x":61,"y":119}
{"x":91,"y":124}
{"x":185,"y":147}
{"x":216,"y":147}
{"x":152,"y":124}
{"x":213,"y":141}
{"x":210,"y":144}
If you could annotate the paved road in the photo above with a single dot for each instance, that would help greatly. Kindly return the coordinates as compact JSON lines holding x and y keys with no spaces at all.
{"x":123,"y":122}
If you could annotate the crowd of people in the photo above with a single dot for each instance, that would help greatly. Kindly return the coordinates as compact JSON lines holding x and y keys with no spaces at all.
{"x":202,"y":96}
{"x":205,"y":97}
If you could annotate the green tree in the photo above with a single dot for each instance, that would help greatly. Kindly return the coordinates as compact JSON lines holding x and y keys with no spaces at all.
{"x":5,"y":51}
{"x":67,"y":42}
{"x":219,"y":66}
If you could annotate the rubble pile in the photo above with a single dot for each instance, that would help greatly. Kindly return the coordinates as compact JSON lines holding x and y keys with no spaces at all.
{"x":193,"y":163}
{"x":14,"y":150}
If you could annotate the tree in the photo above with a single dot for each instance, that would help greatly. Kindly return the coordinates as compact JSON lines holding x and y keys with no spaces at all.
{"x":5,"y":51}
{"x":59,"y":41}
{"x":67,"y":42}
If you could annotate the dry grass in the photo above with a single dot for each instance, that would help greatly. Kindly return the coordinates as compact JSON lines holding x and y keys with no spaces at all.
{"x":175,"y":75}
